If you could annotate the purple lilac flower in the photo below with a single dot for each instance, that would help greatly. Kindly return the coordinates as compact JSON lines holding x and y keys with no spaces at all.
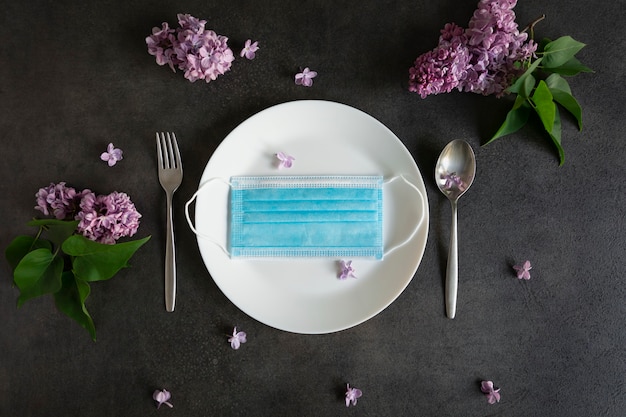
{"x":58,"y":200}
{"x":106,"y":218}
{"x":347,"y":271}
{"x":160,"y":45}
{"x":352,"y":394}
{"x":237,"y":339}
{"x":189,"y":23}
{"x":305,"y":77}
{"x":481,"y":59}
{"x":249,"y":49}
{"x":162,"y":397}
{"x":523,"y":271}
{"x":201,"y":54}
{"x":284,"y":160}
{"x":442,"y":69}
{"x":112,"y":155}
{"x":492,"y":394}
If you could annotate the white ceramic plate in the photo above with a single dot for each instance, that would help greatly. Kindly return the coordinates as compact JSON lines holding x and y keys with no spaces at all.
{"x":305,"y":295}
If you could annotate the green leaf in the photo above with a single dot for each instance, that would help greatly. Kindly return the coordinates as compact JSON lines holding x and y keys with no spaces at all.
{"x":560,"y":51}
{"x":38,"y":273}
{"x":97,"y":261}
{"x":71,"y":301}
{"x":542,"y":102}
{"x":570,"y":68}
{"x":555,"y":134}
{"x":563,"y":95}
{"x":528,"y":86}
{"x":519,"y":84}
{"x":21,"y":245}
{"x":515,"y":119}
{"x":57,"y":230}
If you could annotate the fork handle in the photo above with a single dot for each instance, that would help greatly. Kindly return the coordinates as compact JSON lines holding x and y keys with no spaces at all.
{"x":170,"y":259}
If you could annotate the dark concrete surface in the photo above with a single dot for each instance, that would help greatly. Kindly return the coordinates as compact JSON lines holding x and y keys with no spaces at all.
{"x":76,"y":76}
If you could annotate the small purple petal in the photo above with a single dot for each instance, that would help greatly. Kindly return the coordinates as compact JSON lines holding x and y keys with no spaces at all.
{"x":492,"y":394}
{"x":352,"y":394}
{"x":486,"y":386}
{"x":112,"y":155}
{"x":249,"y":49}
{"x":523,"y":271}
{"x":237,"y":339}
{"x":285,"y":161}
{"x":493,"y":397}
{"x":347,"y":271}
{"x":162,"y":397}
{"x":305,"y":77}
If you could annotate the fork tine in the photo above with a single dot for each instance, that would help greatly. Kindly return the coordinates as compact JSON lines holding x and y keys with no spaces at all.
{"x":176,"y":153}
{"x":159,"y":150}
{"x":167,"y":151}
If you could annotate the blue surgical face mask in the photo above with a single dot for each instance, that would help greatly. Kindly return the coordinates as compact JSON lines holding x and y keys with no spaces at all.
{"x":306,"y":216}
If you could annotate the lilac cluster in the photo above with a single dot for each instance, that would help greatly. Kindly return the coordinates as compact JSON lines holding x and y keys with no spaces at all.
{"x":102,"y":218}
{"x":106,"y":218}
{"x":484,"y":58}
{"x":200,"y":53}
{"x":58,"y":200}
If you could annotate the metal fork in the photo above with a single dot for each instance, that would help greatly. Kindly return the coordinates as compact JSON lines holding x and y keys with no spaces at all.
{"x":170,"y":177}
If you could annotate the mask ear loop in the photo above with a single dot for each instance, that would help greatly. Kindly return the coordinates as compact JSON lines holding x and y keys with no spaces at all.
{"x":191,"y":225}
{"x":419,"y":223}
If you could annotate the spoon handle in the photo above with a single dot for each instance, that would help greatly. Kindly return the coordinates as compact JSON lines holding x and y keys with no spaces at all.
{"x":452,"y":272}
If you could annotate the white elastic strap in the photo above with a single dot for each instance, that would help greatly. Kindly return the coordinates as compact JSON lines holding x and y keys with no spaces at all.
{"x":417,"y":226}
{"x":191,"y":225}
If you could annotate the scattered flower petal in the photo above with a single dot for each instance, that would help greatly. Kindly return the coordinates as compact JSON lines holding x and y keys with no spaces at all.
{"x":284,"y":160}
{"x":162,"y":397}
{"x":249,"y":49}
{"x":492,"y":394}
{"x":305,"y":77}
{"x":523,"y":271}
{"x":237,"y":339}
{"x":112,"y":155}
{"x":347,"y":271}
{"x":352,"y":394}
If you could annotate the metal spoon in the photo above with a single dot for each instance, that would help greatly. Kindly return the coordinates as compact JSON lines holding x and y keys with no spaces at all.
{"x":454,"y":174}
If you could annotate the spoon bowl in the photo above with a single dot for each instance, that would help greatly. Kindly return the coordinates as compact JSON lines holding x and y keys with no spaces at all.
{"x":454,"y":174}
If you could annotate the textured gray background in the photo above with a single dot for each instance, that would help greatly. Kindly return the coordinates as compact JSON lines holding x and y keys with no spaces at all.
{"x":76,"y":75}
